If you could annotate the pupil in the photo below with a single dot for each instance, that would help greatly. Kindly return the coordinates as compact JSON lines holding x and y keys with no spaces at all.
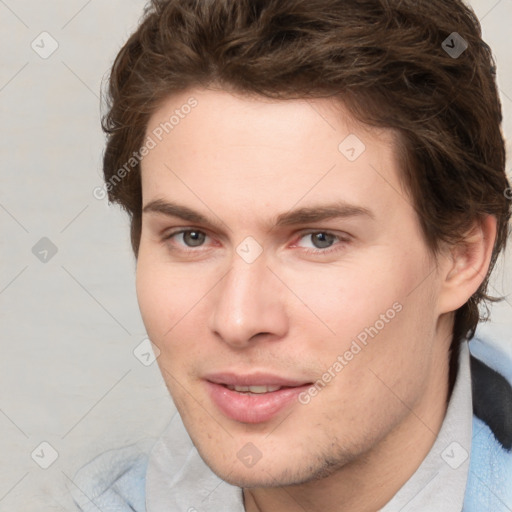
{"x":323,"y":240}
{"x":193,"y":238}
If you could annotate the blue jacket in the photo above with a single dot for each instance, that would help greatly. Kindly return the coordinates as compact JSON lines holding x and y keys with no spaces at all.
{"x":115,"y":481}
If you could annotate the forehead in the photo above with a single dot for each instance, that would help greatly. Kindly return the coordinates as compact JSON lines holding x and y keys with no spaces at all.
{"x":244,"y":152}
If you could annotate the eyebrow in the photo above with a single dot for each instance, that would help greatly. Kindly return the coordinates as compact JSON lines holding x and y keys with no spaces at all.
{"x":320,"y":213}
{"x":305,"y":215}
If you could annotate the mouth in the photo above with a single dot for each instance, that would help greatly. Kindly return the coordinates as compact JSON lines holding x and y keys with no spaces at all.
{"x":255,"y":398}
{"x":254,"y":390}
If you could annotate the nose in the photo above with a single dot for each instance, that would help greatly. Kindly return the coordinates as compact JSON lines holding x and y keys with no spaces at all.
{"x":248,"y":305}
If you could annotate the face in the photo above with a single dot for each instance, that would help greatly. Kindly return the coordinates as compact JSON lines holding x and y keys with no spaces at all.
{"x":283,"y":276}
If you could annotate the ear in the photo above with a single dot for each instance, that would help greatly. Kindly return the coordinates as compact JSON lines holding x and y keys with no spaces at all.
{"x":465,"y":266}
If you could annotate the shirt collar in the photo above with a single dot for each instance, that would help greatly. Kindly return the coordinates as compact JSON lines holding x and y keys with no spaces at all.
{"x":177,"y":478}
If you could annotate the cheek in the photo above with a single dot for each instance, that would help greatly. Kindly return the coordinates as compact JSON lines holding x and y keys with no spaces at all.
{"x":162,"y":297}
{"x":173,"y":307}
{"x":152,"y":304}
{"x":393,"y":352}
{"x":375,"y":303}
{"x":343,"y":300}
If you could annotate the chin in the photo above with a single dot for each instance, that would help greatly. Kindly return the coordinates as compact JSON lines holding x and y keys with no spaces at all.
{"x":272,"y":472}
{"x":265,"y":476}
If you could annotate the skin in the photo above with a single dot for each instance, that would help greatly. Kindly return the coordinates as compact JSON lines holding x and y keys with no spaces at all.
{"x":241,"y":162}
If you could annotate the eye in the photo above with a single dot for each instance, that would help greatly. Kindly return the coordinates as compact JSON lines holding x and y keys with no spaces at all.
{"x":320,"y":241}
{"x":188,"y":237}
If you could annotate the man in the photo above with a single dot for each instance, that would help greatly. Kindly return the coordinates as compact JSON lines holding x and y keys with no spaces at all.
{"x":317,"y":198}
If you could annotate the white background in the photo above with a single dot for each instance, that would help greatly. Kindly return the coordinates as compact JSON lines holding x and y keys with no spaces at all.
{"x":68,"y":375}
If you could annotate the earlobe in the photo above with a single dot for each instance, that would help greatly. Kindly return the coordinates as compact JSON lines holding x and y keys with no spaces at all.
{"x":466,"y":267}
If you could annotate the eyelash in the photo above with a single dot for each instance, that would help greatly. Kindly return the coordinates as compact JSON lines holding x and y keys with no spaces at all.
{"x":341,"y":240}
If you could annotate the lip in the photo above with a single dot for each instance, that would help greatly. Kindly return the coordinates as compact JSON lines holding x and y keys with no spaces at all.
{"x":253,"y":379}
{"x":253,"y":408}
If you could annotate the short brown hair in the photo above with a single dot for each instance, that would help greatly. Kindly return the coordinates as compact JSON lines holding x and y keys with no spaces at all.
{"x":386,"y":61}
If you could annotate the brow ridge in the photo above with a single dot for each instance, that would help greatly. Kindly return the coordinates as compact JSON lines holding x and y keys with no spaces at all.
{"x":304,"y":215}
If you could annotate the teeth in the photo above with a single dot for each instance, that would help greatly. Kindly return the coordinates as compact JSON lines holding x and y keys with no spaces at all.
{"x":254,"y":389}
